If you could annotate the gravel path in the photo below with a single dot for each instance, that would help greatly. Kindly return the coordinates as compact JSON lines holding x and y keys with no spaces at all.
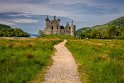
{"x":64,"y":68}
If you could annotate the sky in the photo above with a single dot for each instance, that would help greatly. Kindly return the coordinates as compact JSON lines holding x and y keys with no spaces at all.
{"x":29,"y":15}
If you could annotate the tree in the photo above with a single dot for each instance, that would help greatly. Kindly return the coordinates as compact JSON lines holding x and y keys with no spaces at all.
{"x":81,"y":35}
{"x":87,"y":33}
{"x":7,"y":31}
{"x":112,"y":32}
{"x":41,"y":33}
{"x":95,"y":33}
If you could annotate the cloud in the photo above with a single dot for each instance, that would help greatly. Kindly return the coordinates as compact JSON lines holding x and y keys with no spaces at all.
{"x":66,"y":8}
{"x":33,"y":9}
{"x":6,"y":22}
{"x":17,"y":21}
{"x":70,"y":1}
{"x":26,"y":1}
{"x":84,"y":12}
{"x":21,"y":14}
{"x":86,"y":9}
{"x":24,"y":21}
{"x":110,"y":1}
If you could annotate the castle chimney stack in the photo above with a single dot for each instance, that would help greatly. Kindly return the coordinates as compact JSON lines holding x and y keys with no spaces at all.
{"x":72,"y":22}
{"x":54,"y":17}
{"x":47,"y":18}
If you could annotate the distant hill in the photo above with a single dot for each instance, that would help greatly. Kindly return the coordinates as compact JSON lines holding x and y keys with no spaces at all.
{"x":4,"y":27}
{"x":82,"y":29}
{"x":117,"y":22}
{"x":7,"y":31}
{"x":111,"y":30}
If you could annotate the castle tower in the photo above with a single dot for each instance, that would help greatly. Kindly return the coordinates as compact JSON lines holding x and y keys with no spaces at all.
{"x":58,"y":27}
{"x":48,"y":26}
{"x":52,"y":26}
{"x":55,"y":25}
{"x":73,"y":27}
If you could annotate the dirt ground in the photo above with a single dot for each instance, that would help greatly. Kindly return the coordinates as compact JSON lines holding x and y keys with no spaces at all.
{"x":64,"y":68}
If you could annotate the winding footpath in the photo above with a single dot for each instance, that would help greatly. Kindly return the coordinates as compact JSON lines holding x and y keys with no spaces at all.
{"x":64,"y":68}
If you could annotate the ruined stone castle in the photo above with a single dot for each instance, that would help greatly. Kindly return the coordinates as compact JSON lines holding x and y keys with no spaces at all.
{"x":54,"y":27}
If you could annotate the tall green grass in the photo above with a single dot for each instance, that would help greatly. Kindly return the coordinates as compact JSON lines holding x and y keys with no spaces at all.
{"x":21,"y":59}
{"x":58,"y":36}
{"x":100,"y":61}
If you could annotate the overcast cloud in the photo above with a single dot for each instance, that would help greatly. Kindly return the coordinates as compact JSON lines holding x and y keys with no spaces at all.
{"x":30,"y":14}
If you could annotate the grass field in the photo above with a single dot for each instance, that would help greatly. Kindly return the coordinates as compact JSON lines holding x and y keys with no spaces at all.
{"x":100,"y":61}
{"x":21,"y":59}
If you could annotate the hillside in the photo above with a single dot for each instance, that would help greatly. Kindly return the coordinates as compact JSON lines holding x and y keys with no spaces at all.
{"x":7,"y":31}
{"x":117,"y":22}
{"x":111,"y":30}
{"x":79,"y":30}
{"x":3,"y":27}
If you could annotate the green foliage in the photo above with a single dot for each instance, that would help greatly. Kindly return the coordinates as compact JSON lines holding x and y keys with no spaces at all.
{"x":41,"y":33}
{"x":7,"y":31}
{"x":95,"y":33}
{"x":100,"y":61}
{"x":117,"y":22}
{"x":21,"y":59}
{"x":111,"y":30}
{"x":80,"y":33}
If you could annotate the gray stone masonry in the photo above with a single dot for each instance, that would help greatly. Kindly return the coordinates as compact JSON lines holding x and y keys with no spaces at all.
{"x":54,"y":27}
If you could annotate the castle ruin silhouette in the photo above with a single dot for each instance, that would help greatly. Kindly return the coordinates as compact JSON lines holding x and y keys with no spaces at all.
{"x":54,"y":27}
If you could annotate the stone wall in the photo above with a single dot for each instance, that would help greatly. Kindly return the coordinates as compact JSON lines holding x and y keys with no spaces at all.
{"x":53,"y":27}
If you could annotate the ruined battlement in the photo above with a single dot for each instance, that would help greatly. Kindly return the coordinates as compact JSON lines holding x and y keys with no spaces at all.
{"x":54,"y":27}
